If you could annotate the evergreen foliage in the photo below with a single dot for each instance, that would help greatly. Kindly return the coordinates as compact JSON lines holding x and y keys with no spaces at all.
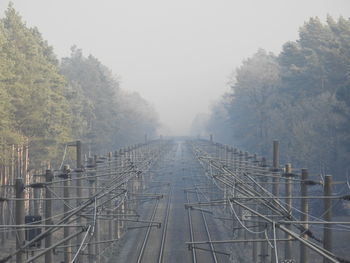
{"x":45,"y":103}
{"x":108,"y":117}
{"x":301,"y":97}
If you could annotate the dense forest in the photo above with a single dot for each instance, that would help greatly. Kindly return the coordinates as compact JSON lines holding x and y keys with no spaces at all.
{"x":46,"y":102}
{"x":300,"y":97}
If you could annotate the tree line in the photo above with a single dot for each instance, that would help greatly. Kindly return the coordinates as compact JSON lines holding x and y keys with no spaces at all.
{"x":300,"y":96}
{"x":46,"y":102}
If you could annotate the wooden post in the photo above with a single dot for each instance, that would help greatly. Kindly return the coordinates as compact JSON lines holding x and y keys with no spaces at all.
{"x":327,"y":230}
{"x":288,"y":193}
{"x":67,"y":249}
{"x":48,"y":215}
{"x":19,"y":218}
{"x":304,"y":214}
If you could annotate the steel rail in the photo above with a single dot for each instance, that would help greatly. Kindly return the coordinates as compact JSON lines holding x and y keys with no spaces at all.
{"x":326,"y":254}
{"x":207,"y":231}
{"x":165,"y":226}
{"x":144,"y":243}
{"x":194,"y":259}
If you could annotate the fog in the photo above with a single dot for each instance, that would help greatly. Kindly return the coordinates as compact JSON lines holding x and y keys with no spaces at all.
{"x":177,"y":54}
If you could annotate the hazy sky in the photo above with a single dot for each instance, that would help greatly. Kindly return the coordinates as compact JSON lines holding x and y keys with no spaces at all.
{"x":177,"y":54}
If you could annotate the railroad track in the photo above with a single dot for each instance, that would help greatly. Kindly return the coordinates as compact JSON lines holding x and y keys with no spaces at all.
{"x":162,"y":237}
{"x":145,"y":240}
{"x":168,"y":244}
{"x":165,"y":226}
{"x":194,"y":250}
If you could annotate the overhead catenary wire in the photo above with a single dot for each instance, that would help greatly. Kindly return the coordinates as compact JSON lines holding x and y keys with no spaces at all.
{"x":129,"y":170}
{"x":209,"y":162}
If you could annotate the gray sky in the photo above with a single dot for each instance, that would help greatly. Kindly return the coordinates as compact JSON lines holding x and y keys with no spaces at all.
{"x":177,"y":54}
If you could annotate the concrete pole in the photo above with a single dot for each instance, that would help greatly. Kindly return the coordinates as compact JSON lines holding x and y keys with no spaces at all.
{"x":19,"y":218}
{"x":48,"y":215}
{"x":304,"y":215}
{"x":327,"y":230}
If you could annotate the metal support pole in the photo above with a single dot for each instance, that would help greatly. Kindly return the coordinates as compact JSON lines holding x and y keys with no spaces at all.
{"x":110,"y":205}
{"x":245,"y":170}
{"x":120,"y":209}
{"x":327,"y":230}
{"x":255,"y":236}
{"x":48,"y":215}
{"x":304,"y":214}
{"x":264,"y":253}
{"x":275,"y":185}
{"x":239,"y":209}
{"x":235,"y":153}
{"x":79,"y":191}
{"x":19,"y":218}
{"x":90,"y":247}
{"x":91,"y":193}
{"x":288,"y":193}
{"x":36,"y":195}
{"x":276,"y":153}
{"x":116,"y":220}
{"x":97,"y":230}
{"x":67,"y":249}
